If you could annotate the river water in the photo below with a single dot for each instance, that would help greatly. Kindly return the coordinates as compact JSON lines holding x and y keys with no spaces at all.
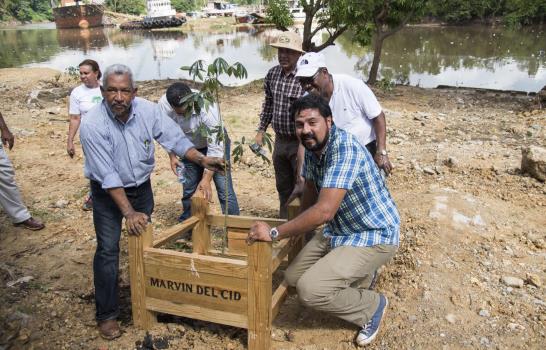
{"x":482,"y":57}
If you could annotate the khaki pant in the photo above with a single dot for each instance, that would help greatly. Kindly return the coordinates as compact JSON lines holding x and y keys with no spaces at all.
{"x":329,"y":280}
{"x":10,"y":197}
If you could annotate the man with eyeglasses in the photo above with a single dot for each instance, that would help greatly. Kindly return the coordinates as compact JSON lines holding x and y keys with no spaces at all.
{"x":118,"y":142}
{"x":281,"y":89}
{"x":354,"y":106}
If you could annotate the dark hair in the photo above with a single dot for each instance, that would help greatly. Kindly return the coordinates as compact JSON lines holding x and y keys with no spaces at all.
{"x":175,"y":92}
{"x":311,"y":101}
{"x":94,"y":66}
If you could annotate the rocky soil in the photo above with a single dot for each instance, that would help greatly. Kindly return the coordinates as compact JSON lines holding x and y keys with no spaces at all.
{"x":470,"y":271}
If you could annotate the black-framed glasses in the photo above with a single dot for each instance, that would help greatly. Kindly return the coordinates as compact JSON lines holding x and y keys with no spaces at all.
{"x":304,"y":81}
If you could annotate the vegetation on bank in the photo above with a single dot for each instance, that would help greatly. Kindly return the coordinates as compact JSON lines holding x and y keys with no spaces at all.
{"x":513,"y":12}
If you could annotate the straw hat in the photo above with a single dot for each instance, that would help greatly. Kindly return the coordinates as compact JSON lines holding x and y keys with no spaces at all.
{"x":288,"y":40}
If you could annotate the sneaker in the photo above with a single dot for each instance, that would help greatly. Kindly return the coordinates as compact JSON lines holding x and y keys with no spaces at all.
{"x":370,"y":330}
{"x":88,"y":204}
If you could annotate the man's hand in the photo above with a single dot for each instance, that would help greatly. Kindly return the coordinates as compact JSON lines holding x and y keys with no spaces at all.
{"x":70,"y":149}
{"x":298,"y":190}
{"x":175,"y":162}
{"x":205,"y":189}
{"x":383,"y":162}
{"x":136,"y":222}
{"x":214,"y":164}
{"x":7,"y":138}
{"x":259,"y":232}
{"x":259,"y":138}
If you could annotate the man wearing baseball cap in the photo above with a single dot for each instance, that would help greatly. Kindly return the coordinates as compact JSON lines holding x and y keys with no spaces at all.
{"x":281,"y":89}
{"x":354,"y":106}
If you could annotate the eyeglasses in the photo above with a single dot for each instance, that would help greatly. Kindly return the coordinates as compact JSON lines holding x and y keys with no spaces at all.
{"x":304,"y":81}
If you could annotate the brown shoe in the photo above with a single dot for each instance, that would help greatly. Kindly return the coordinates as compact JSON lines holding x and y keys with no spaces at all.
{"x":31,"y":224}
{"x":109,"y":329}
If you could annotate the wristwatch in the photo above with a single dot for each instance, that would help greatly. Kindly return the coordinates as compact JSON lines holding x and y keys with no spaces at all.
{"x":274,"y":234}
{"x":383,"y":152}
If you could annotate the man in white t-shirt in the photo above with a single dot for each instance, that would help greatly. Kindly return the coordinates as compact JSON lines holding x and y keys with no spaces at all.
{"x":195,"y":126}
{"x":354,"y":106}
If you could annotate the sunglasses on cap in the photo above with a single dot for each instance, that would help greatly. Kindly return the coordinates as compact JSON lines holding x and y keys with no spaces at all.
{"x":309,"y":80}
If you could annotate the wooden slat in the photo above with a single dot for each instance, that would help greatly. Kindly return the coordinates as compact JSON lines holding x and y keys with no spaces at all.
{"x":237,"y":241}
{"x":279,"y":253}
{"x":244,"y":222}
{"x":213,"y":298}
{"x":278,"y":298}
{"x":185,"y":276}
{"x":201,"y":232}
{"x":141,"y":316}
{"x":197,"y":312}
{"x":196,"y":263}
{"x":259,"y":296}
{"x":175,"y":231}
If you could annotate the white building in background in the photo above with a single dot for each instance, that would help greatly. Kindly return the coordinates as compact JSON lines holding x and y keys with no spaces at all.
{"x":159,"y":8}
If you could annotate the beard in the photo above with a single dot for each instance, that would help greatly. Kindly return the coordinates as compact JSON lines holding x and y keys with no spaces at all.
{"x":318,"y":145}
{"x":120,"y":109}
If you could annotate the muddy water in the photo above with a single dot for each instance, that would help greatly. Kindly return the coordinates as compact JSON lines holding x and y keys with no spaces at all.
{"x":484,"y":57}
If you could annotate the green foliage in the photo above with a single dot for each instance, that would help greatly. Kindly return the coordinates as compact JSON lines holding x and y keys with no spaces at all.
{"x":132,"y":7}
{"x":26,"y":10}
{"x":186,"y":5}
{"x":520,"y":12}
{"x":278,"y":13}
{"x":514,"y":12}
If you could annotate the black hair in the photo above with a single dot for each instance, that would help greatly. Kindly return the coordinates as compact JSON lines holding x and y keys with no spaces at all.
{"x":176,"y":92}
{"x":311,"y":101}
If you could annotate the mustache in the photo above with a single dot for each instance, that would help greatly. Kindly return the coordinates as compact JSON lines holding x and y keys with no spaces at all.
{"x":308,"y":137}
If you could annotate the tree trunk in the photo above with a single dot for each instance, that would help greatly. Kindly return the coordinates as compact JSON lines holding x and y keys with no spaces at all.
{"x":378,"y":45}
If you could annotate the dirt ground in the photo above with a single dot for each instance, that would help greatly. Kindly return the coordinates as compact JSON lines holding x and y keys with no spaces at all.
{"x":470,"y":221}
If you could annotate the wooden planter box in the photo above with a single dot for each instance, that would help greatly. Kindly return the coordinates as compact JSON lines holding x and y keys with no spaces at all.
{"x":234,"y":288}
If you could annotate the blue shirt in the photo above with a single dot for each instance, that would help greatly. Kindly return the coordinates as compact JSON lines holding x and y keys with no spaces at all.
{"x":122,"y":154}
{"x":367,"y":215}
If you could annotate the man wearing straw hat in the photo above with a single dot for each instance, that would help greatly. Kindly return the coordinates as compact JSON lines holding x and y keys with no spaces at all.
{"x":281,"y":89}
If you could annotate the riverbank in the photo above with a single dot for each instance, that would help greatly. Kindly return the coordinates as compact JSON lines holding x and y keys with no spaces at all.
{"x":470,"y":219}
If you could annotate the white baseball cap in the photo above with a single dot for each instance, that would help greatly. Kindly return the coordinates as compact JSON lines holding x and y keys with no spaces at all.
{"x":309,"y":64}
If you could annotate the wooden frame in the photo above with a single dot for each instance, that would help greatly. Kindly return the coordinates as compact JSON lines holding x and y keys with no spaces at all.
{"x":233,"y":288}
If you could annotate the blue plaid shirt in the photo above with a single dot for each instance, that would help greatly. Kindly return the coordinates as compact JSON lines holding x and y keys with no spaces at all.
{"x":367,"y":215}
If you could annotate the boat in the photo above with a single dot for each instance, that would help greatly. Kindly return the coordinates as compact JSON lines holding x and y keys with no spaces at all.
{"x":160,"y":14}
{"x":72,"y":14}
{"x":252,"y":18}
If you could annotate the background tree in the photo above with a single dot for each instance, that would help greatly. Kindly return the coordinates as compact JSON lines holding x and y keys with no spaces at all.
{"x":383,"y":18}
{"x":278,"y":13}
{"x":132,"y":7}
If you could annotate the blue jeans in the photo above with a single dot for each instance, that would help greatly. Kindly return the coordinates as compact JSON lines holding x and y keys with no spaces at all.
{"x":107,"y":219}
{"x":194,"y":174}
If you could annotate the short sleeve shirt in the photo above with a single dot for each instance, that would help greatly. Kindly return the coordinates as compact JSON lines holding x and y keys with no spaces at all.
{"x":354,"y":106}
{"x":82,"y":99}
{"x":367,"y":215}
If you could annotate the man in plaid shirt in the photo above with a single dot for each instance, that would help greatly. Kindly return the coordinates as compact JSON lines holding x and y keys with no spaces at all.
{"x":344,"y":191}
{"x":281,"y":89}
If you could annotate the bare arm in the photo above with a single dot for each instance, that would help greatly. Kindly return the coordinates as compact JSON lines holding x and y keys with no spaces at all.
{"x":7,"y":136}
{"x":300,"y":180}
{"x":322,"y":211}
{"x":73,"y":126}
{"x":380,"y":128}
{"x":135,"y":222}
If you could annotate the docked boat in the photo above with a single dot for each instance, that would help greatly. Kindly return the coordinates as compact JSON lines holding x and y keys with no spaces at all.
{"x":72,"y":14}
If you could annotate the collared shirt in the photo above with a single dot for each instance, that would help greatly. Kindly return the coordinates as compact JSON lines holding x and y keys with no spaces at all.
{"x":367,"y":215}
{"x":194,"y":127}
{"x":122,"y":154}
{"x":354,"y":106}
{"x":280,"y":91}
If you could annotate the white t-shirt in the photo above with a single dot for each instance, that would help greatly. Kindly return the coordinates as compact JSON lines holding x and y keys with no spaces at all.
{"x":82,"y":99}
{"x":190,"y":126}
{"x":353,"y":107}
